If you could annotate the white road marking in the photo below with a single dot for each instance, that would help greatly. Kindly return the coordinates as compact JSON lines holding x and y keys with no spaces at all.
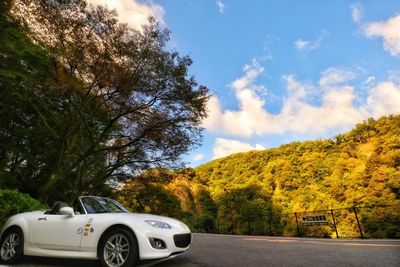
{"x":321,"y":242}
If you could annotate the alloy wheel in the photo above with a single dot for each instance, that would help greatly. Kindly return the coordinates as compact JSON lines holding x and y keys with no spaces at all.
{"x":9,"y":246}
{"x":116,"y":250}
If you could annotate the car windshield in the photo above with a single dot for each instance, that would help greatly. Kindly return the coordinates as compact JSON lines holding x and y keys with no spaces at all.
{"x":102,"y":205}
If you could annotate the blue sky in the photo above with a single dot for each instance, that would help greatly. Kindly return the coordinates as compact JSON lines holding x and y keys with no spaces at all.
{"x":282,"y":71}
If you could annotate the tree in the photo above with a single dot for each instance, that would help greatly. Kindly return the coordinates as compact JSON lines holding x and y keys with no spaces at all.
{"x":206,"y":203}
{"x":112,"y":102}
{"x":146,"y":193}
{"x":23,"y":138}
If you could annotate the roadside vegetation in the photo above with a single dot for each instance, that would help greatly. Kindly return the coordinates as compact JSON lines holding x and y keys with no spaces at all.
{"x":258,"y":192}
{"x":12,"y":201}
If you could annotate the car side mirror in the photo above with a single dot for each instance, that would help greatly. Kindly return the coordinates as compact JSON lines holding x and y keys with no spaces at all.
{"x":67,"y":211}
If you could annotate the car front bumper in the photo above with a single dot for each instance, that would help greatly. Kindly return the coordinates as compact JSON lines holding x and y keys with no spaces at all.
{"x":175,"y":242}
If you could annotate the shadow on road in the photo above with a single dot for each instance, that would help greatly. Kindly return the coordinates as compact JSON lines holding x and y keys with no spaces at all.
{"x":49,"y":262}
{"x":56,"y":262}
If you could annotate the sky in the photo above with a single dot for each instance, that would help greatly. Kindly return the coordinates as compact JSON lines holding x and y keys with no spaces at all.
{"x":281,"y":71}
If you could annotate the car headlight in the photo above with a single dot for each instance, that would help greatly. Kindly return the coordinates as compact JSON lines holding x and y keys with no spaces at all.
{"x":158,"y":224}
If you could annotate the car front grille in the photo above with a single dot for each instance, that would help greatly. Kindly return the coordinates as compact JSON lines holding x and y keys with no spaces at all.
{"x":182,"y":241}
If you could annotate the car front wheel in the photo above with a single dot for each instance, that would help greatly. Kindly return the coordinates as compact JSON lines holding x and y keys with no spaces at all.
{"x":119,"y":249}
{"x":11,"y":246}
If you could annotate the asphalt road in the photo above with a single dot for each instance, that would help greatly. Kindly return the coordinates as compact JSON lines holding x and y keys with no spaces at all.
{"x":222,"y":250}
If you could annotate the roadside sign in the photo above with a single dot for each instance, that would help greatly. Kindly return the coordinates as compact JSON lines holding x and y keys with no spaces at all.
{"x":314,"y":219}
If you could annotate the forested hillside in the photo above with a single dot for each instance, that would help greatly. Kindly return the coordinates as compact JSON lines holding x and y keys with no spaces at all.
{"x":258,"y":192}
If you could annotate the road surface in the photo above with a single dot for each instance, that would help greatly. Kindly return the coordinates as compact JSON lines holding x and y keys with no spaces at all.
{"x":223,"y":250}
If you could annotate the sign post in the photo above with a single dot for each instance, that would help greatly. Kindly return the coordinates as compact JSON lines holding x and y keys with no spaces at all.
{"x":358,"y":222}
{"x":314,"y":219}
{"x":297,"y":224}
{"x":334,"y":224}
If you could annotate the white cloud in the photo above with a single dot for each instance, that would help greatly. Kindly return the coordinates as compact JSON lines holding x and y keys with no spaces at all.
{"x":384,"y":99}
{"x":394,"y":76}
{"x":390,"y":32}
{"x":335,"y":108}
{"x":357,"y":11}
{"x":333,"y":77}
{"x":369,"y":81}
{"x":304,"y":45}
{"x":267,"y":43}
{"x":301,"y":44}
{"x":221,"y":6}
{"x":245,"y":121}
{"x":198,"y":157}
{"x":224,"y":147}
{"x":335,"y":111}
{"x":133,"y":12}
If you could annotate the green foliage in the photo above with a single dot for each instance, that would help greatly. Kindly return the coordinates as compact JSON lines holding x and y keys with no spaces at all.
{"x":86,"y":101}
{"x":205,"y":202}
{"x":146,"y":194}
{"x":204,"y":223}
{"x":360,"y":168}
{"x":13,"y":202}
{"x":382,"y":222}
{"x":157,"y":200}
{"x":258,"y":192}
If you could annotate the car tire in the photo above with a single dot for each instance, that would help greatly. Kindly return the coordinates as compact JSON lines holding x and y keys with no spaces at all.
{"x":119,"y":249}
{"x":11,"y":246}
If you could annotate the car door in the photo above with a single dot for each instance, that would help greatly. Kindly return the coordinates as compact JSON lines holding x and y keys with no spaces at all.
{"x":58,"y":232}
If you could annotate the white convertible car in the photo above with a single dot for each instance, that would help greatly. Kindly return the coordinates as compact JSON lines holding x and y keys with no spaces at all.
{"x":95,"y":228}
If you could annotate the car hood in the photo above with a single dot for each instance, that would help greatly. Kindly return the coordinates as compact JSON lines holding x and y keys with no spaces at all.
{"x":141,"y":217}
{"x":144,"y":216}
